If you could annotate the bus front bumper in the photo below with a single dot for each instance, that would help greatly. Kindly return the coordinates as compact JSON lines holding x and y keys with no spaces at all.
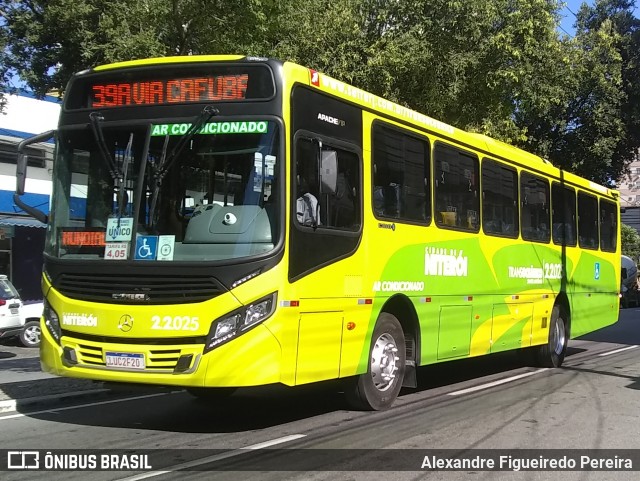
{"x":250,"y":360}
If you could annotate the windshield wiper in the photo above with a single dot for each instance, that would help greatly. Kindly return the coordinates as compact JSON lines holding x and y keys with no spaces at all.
{"x":154,"y":181}
{"x":207,"y":112}
{"x":166,"y":161}
{"x":96,"y":128}
{"x":118,"y":176}
{"x":126,"y":160}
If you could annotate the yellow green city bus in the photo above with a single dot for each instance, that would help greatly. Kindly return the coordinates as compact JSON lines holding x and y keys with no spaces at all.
{"x":218,"y":222}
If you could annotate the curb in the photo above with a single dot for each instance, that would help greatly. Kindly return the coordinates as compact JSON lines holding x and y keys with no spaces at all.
{"x":11,"y":405}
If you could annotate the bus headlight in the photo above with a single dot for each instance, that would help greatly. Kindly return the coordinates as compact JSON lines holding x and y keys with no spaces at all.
{"x":239,"y":321}
{"x":52,"y":321}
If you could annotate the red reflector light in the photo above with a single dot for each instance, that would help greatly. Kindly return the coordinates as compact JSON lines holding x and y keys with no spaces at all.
{"x":295,"y":303}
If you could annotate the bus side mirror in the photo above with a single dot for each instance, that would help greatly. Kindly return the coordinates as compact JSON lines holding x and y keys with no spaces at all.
{"x":21,"y":174}
{"x":21,"y":161}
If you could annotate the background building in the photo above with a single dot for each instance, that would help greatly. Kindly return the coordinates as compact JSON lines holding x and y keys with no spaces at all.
{"x":629,"y":187}
{"x":21,"y":236}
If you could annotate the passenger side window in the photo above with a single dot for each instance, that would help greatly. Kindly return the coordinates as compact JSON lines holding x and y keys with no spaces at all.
{"x":587,"y":220}
{"x":456,"y":185}
{"x":564,"y":214}
{"x":400,"y":175}
{"x":327,"y":184}
{"x":499,"y":199}
{"x":534,"y":199}
{"x":608,"y":226}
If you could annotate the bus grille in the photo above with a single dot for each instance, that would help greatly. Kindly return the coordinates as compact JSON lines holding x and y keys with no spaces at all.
{"x":123,"y":289}
{"x":157,"y":360}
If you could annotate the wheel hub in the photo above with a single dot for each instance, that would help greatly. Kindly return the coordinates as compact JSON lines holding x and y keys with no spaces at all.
{"x":384,"y":362}
{"x":32,"y":334}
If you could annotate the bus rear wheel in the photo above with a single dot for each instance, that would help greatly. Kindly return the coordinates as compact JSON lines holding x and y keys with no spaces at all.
{"x":552,"y":353}
{"x":378,"y":388}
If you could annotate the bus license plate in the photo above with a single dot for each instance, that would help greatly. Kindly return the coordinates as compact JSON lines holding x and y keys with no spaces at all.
{"x":126,"y":360}
{"x":14,"y":310}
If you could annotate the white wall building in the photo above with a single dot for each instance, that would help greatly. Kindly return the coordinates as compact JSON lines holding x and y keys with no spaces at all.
{"x":21,"y":236}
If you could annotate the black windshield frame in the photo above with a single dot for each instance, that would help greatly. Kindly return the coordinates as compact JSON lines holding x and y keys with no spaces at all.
{"x":67,"y":131}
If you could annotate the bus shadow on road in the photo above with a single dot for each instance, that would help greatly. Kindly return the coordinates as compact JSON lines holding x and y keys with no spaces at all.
{"x":259,"y":407}
{"x":634,"y":385}
{"x":269,"y":406}
{"x":627,"y":333}
{"x":177,"y":411}
{"x":453,"y":372}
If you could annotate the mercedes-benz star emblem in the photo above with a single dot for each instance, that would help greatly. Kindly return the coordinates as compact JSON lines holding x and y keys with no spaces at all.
{"x":126,"y":323}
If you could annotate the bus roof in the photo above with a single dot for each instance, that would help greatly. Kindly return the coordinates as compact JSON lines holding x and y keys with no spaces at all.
{"x":167,"y":60}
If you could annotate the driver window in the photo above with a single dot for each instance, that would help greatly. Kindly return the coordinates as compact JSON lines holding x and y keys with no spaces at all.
{"x":326,"y":184}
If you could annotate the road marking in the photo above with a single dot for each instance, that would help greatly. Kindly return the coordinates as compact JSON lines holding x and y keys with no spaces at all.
{"x":617,"y":351}
{"x":497,"y":383}
{"x":78,"y":406}
{"x":215,"y":457}
{"x":10,"y":405}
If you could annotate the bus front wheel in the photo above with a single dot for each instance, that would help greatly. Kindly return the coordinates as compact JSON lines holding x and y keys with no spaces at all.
{"x":552,"y":353}
{"x":378,"y":388}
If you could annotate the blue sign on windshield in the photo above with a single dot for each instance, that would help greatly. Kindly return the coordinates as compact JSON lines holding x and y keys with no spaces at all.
{"x":146,"y":248}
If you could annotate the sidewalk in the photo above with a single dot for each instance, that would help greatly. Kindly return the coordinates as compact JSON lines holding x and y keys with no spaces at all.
{"x":24,"y":387}
{"x":23,"y":384}
{"x":22,"y":394}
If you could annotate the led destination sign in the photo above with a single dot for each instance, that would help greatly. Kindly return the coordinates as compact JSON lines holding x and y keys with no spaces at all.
{"x":167,"y":91}
{"x":168,"y":85}
{"x":83,"y":238}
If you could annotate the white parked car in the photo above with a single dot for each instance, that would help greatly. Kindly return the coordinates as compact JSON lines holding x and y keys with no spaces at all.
{"x":17,"y":319}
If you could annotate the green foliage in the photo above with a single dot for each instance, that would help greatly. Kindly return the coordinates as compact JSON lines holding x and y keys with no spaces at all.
{"x":5,"y":77}
{"x":497,"y":67}
{"x":617,"y":16}
{"x":630,"y":242}
{"x":49,"y":40}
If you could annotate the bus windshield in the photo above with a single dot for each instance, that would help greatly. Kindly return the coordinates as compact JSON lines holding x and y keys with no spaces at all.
{"x":150,"y":192}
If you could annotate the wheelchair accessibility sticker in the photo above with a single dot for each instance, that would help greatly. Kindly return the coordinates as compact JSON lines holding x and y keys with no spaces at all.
{"x":146,"y":248}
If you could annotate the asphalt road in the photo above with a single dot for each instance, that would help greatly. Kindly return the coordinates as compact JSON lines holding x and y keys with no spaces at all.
{"x":495,"y":402}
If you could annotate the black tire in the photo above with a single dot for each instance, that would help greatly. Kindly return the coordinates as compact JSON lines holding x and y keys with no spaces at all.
{"x":378,"y":388}
{"x":211,"y":393}
{"x":30,"y":334}
{"x":552,"y":353}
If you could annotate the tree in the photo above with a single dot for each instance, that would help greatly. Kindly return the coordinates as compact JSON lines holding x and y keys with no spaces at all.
{"x":630,"y":242}
{"x":49,"y":40}
{"x":570,"y":103}
{"x":497,"y":67}
{"x":467,"y":63}
{"x":618,"y":16}
{"x":4,"y":70}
